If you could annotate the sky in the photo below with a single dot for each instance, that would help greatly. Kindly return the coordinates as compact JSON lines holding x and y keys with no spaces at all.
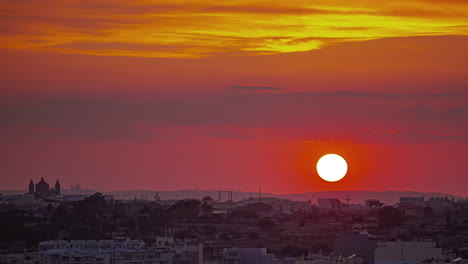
{"x":242,"y":94}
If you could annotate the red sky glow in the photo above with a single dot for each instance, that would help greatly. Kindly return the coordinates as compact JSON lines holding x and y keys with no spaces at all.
{"x":168,"y":95}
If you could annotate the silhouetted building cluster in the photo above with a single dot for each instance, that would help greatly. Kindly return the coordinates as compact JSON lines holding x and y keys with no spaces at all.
{"x":93,"y":229}
{"x":43,"y":190}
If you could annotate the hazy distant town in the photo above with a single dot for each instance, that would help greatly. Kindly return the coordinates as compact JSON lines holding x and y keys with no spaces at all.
{"x":46,"y":224}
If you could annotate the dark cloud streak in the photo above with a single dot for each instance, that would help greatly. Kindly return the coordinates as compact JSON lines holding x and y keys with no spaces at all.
{"x":255,"y":88}
{"x":342,"y":113}
{"x":368,"y":95}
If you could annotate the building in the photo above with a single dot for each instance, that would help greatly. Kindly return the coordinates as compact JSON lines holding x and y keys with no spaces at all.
{"x":373,"y":203}
{"x":22,"y":258}
{"x":352,"y":259}
{"x":312,"y":259}
{"x":285,"y":206}
{"x":440,"y":206}
{"x":418,"y":201}
{"x":77,"y":197}
{"x":75,"y":258}
{"x":246,"y":256}
{"x":42,"y":189}
{"x":183,"y":251}
{"x":359,"y":245}
{"x":149,"y":256}
{"x":330,"y":203}
{"x":120,"y":251}
{"x":409,"y":252}
{"x":411,"y":210}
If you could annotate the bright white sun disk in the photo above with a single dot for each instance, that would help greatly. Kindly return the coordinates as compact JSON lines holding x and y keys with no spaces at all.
{"x":332,"y":167}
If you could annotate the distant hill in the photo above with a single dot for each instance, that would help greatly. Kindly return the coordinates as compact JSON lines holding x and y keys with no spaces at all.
{"x":358,"y":197}
{"x":387,"y":197}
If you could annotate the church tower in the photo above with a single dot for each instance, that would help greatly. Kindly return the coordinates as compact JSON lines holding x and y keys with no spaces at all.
{"x":31,"y":187}
{"x":57,"y":187}
{"x":42,"y":188}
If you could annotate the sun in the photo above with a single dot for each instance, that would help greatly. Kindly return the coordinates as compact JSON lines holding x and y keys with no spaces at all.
{"x":332,"y":167}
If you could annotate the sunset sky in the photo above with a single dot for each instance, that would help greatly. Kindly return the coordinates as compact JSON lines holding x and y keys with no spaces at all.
{"x":168,"y":95}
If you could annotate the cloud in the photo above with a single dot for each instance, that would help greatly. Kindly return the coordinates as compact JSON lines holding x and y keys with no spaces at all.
{"x":117,"y":46}
{"x":369,"y":95}
{"x":207,"y":131}
{"x":255,"y":88}
{"x":410,"y":136}
{"x":304,"y":116}
{"x":274,"y":10}
{"x":161,"y":23}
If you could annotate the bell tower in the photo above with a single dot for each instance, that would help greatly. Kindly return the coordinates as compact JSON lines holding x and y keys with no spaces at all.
{"x":57,"y":187}
{"x":31,"y":187}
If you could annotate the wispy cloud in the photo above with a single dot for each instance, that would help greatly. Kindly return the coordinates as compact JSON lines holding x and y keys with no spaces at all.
{"x":255,"y":88}
{"x":211,"y":27}
{"x":411,"y":136}
{"x":370,"y":95}
{"x":284,"y":115}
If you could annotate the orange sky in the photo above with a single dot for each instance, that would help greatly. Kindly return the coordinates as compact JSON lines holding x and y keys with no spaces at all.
{"x":178,"y":94}
{"x":194,"y":29}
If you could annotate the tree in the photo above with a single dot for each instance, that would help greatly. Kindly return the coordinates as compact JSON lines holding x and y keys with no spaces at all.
{"x":390,"y":217}
{"x":259,"y":207}
{"x":427,"y":211}
{"x":301,"y":223}
{"x":158,"y":217}
{"x":266,"y":223}
{"x":208,"y":230}
{"x":144,"y":223}
{"x":205,"y":207}
{"x":225,"y":236}
{"x":185,"y":209}
{"x":321,"y":247}
{"x":207,"y":199}
{"x":61,"y":217}
{"x":12,"y":225}
{"x":294,"y":251}
{"x":95,"y":201}
{"x":252,"y":236}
